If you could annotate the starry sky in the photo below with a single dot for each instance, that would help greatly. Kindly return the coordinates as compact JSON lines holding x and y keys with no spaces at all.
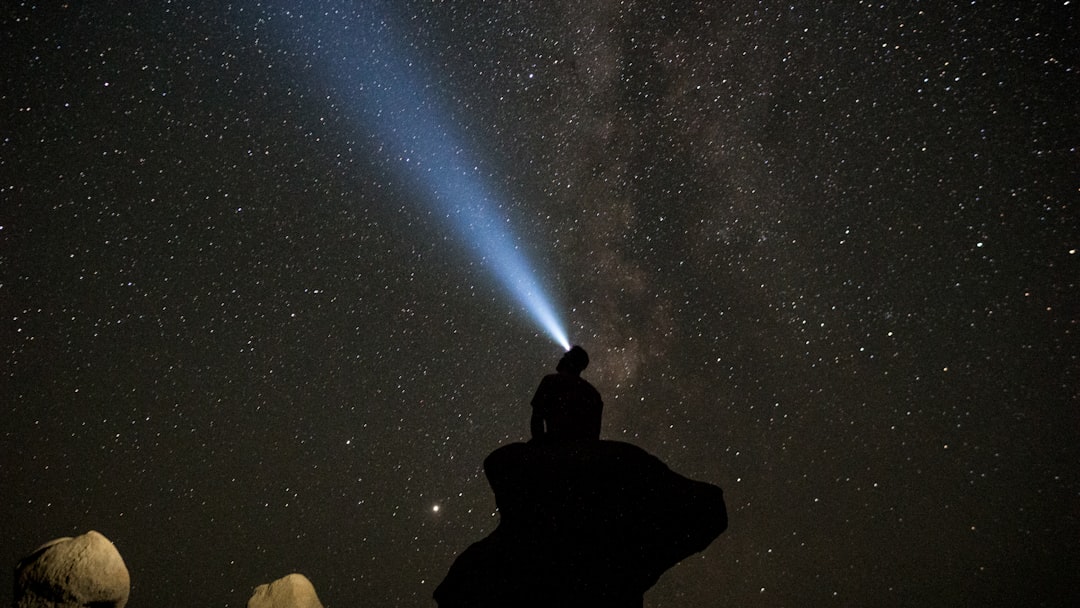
{"x":822,"y":255}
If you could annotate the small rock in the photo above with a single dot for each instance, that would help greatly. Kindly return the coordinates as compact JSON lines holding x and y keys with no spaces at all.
{"x":291,"y":591}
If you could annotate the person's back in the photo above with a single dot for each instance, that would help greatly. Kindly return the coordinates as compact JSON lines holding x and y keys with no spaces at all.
{"x":567,"y":407}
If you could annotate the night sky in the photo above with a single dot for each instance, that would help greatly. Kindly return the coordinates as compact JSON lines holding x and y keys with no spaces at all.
{"x":823,"y":255}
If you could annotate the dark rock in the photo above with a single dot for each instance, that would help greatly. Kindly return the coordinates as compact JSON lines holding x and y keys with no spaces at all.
{"x":74,"y":572}
{"x":585,"y":524}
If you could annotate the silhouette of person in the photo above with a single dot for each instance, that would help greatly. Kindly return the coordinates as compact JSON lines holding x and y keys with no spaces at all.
{"x":566,"y":406}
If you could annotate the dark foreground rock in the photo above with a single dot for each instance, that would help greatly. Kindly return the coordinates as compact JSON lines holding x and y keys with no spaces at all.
{"x":79,"y":572}
{"x":592,"y":524}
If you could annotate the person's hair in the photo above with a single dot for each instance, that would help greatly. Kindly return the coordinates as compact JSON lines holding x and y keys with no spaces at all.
{"x":577,"y":358}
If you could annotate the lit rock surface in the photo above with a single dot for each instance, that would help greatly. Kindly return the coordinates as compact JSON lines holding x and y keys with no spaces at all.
{"x":291,"y":591}
{"x":81,"y":572}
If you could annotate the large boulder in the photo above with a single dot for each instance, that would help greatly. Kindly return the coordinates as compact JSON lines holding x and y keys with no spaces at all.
{"x":584,"y":524}
{"x":79,"y":572}
{"x":290,"y":591}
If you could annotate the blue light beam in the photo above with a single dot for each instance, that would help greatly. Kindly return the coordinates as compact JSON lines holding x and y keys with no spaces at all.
{"x":359,"y":58}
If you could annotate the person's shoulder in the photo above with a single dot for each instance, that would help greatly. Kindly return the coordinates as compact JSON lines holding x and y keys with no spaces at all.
{"x":588,"y":385}
{"x":550,"y":380}
{"x":593,"y":389}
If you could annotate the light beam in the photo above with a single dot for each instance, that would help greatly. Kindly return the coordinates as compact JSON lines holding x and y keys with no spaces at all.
{"x":356,"y":53}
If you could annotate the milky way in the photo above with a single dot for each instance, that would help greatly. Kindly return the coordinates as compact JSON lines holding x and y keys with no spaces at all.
{"x":822,"y":255}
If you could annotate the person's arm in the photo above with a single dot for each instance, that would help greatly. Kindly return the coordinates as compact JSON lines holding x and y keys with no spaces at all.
{"x":597,"y":408}
{"x":536,"y":425}
{"x":539,"y":403}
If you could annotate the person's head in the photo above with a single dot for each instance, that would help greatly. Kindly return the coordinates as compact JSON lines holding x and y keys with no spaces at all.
{"x":574,"y":361}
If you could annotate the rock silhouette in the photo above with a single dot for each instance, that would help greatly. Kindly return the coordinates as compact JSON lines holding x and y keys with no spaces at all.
{"x":290,"y":591}
{"x":582,"y":524}
{"x":84,"y":571}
